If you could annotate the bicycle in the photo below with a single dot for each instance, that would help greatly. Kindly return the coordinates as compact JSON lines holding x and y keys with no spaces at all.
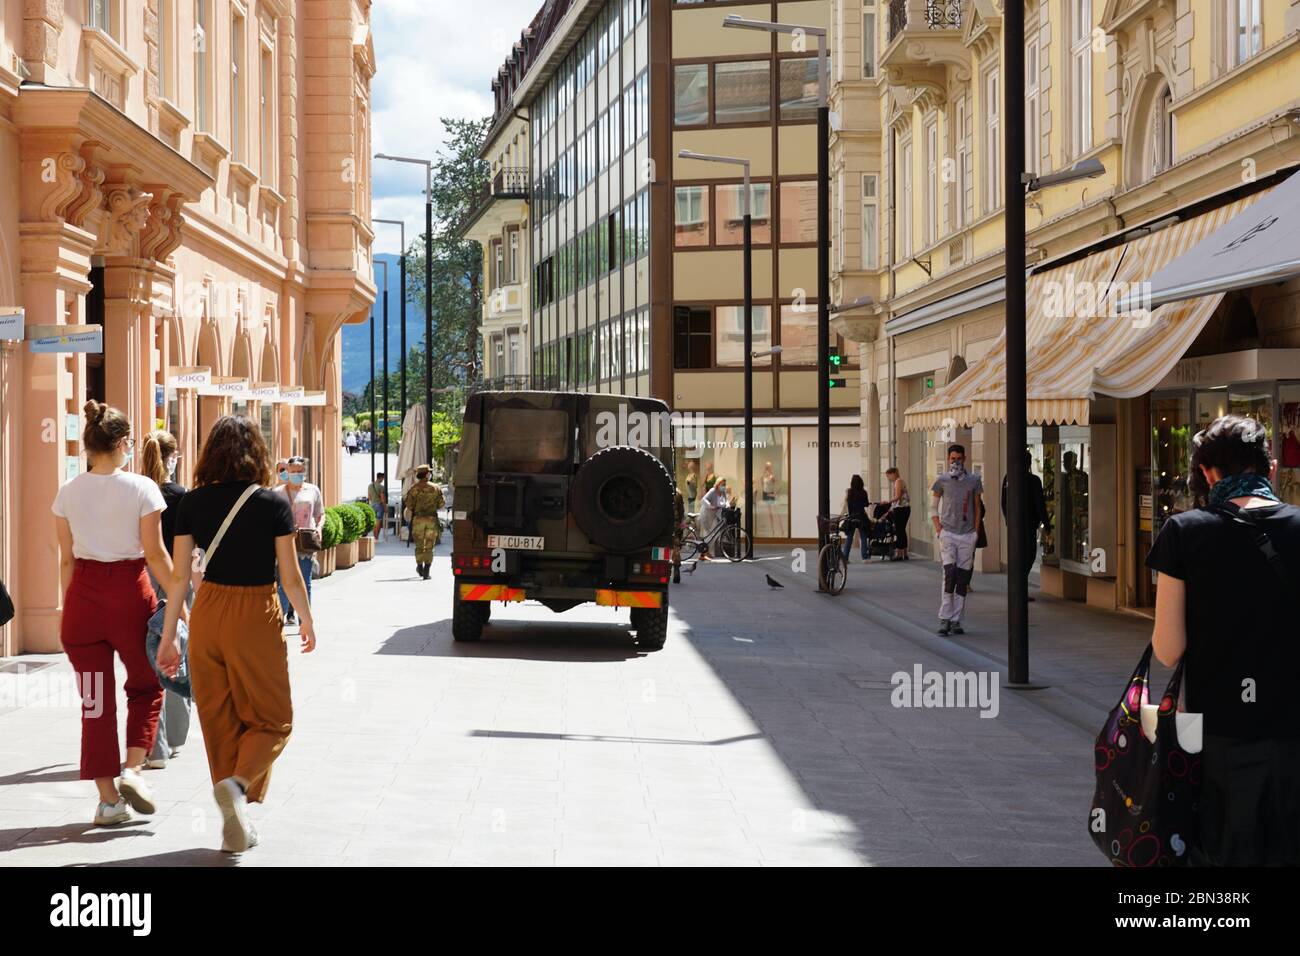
{"x":832,"y":565}
{"x":730,"y":538}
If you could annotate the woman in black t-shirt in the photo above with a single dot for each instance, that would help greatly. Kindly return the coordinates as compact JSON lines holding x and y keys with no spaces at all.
{"x":1227,"y":575}
{"x":238,"y":661}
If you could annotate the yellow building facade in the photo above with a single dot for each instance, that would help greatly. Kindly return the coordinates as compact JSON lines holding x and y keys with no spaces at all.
{"x":1193,"y":109}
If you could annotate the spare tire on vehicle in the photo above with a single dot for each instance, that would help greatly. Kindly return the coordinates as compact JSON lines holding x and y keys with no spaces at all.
{"x":622,"y":499}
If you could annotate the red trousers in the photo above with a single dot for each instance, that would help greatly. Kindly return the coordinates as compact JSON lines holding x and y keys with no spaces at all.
{"x":107,"y":609}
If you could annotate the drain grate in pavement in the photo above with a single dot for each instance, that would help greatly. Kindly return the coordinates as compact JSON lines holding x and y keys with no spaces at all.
{"x":20,"y":667}
{"x":863,"y":682}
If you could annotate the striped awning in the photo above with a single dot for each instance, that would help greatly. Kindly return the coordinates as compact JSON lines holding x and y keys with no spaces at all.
{"x":1078,"y":345}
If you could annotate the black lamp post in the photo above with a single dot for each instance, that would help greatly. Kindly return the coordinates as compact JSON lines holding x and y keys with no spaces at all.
{"x":401,"y":342}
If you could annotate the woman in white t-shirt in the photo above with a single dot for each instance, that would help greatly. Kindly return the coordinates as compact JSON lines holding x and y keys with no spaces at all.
{"x":110,"y":528}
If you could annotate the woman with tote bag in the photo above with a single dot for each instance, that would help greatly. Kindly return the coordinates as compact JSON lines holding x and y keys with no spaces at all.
{"x":238,"y":658}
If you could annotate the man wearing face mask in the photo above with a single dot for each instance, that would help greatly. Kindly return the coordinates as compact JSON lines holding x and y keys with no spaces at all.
{"x":308,"y":513}
{"x":955,"y":513}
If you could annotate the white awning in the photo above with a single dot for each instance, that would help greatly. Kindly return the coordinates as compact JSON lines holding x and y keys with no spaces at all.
{"x":1258,"y":246}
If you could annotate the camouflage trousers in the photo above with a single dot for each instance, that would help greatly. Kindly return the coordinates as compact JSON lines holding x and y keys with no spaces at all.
{"x":426,"y":532}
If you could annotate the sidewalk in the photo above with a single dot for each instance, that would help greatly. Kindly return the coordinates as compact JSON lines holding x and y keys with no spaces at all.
{"x":762,"y":734}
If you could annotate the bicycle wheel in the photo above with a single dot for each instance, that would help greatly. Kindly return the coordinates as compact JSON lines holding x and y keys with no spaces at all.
{"x":733,"y":543}
{"x":691,"y":548}
{"x":832,"y":570}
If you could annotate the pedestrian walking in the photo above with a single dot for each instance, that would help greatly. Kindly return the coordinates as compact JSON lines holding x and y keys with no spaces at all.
{"x":957,"y":499}
{"x":160,"y":458}
{"x":679,"y":533}
{"x":377,"y":496}
{"x":711,"y":505}
{"x":351,"y":442}
{"x":1035,"y":511}
{"x":308,"y":515}
{"x":1225,"y":572}
{"x":109,"y":528}
{"x":422,"y":504}
{"x":900,"y":511}
{"x":238,"y":658}
{"x":855,"y":506}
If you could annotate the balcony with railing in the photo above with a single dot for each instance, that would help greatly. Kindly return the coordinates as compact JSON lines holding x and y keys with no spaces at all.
{"x":925,"y":38}
{"x":503,"y":195}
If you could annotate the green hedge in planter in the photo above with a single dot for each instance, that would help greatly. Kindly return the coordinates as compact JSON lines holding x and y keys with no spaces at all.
{"x":368,"y":513}
{"x":352,"y":520}
{"x":331,"y":530}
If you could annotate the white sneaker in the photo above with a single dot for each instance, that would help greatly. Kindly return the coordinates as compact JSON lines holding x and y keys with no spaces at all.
{"x":236,"y":833}
{"x":156,"y":763}
{"x":108,"y":815}
{"x":136,"y":792}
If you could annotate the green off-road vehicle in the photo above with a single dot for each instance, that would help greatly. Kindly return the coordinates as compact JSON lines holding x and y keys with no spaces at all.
{"x":564,"y":498}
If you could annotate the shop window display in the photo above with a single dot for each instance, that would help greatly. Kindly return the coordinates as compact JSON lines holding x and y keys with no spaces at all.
{"x":1286,"y":448}
{"x":1072,"y":495}
{"x":719,"y":452}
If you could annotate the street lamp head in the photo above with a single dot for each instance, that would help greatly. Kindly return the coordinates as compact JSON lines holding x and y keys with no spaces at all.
{"x":741,"y":23}
{"x":1085,"y":169}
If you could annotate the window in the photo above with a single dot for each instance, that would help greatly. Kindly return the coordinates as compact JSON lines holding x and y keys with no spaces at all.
{"x":1033,"y":138}
{"x":799,"y":334}
{"x":1161,"y":137}
{"x":1080,"y":76}
{"x":691,"y":222}
{"x":730,"y":328}
{"x":798,"y":211}
{"x":692,"y":337}
{"x":905,"y":203}
{"x":992,"y":141}
{"x":266,"y":118}
{"x":838,"y":242}
{"x":869,"y":32}
{"x":167,"y":48}
{"x":870,"y":221}
{"x":202,"y":96}
{"x":690,"y":98}
{"x":512,"y":255}
{"x":729,"y":215}
{"x":742,"y":92}
{"x":237,"y":88}
{"x":798,"y":93}
{"x":102,"y":15}
{"x":1245,"y":30}
{"x":931,"y":181}
{"x":961,"y":160}
{"x":498,"y":264}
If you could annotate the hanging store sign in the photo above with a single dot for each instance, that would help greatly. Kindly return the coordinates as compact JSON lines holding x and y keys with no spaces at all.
{"x":292,"y":394}
{"x":188,"y":376}
{"x":65,"y":338}
{"x":311,"y":399}
{"x":11,"y":325}
{"x":265,"y":391}
{"x":226,"y":387}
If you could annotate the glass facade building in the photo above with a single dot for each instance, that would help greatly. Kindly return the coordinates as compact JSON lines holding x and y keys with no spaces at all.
{"x":591,"y":174}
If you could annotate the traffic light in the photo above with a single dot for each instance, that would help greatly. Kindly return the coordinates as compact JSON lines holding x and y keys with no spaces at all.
{"x":833,"y":360}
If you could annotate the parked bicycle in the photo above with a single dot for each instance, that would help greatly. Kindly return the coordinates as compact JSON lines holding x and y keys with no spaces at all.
{"x":832,"y":565}
{"x":726,"y":538}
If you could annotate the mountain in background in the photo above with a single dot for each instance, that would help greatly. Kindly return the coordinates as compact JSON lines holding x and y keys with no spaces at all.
{"x":356,"y":338}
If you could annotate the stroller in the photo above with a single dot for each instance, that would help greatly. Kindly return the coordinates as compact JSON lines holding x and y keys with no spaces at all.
{"x":883,"y":540}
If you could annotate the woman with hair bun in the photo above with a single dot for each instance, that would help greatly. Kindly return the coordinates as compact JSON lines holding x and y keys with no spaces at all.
{"x":109,"y":526}
{"x":1227,"y":575}
{"x":160,"y":458}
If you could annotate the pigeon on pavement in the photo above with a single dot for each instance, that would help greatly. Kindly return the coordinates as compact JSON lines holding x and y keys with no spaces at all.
{"x":773,"y":582}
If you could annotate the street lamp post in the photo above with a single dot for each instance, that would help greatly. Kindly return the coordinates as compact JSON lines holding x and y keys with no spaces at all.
{"x":823,"y":242}
{"x":401,"y":342}
{"x":748,"y":274}
{"x":373,"y":437}
{"x":428,"y":283}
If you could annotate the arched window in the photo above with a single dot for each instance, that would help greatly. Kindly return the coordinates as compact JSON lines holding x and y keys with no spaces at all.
{"x":1160,"y":136}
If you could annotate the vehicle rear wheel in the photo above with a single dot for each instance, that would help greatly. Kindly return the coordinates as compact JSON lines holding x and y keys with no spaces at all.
{"x":468,"y":618}
{"x":651,"y":626}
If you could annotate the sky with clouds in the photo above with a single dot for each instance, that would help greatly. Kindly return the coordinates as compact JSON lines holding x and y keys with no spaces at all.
{"x":436,"y":58}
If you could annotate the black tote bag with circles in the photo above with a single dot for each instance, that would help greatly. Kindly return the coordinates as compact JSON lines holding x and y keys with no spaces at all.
{"x":1144,"y":810}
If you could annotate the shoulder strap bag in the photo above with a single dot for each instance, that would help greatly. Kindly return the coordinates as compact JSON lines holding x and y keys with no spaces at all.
{"x":211,"y":550}
{"x":1259,"y":535}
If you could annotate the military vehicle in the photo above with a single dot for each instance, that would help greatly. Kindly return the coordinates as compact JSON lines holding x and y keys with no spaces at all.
{"x":564,"y":498}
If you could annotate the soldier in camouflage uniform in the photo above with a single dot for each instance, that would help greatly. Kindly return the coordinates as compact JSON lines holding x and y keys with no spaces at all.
{"x":424,"y":500}
{"x":679,"y":533}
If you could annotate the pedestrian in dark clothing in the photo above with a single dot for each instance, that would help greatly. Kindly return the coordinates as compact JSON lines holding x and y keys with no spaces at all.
{"x":1224,"y":574}
{"x":855,"y":506}
{"x":1035,"y":512}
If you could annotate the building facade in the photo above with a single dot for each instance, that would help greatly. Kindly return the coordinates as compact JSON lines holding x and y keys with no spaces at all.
{"x":1193,"y":109}
{"x":634,"y":254}
{"x":187,"y":181}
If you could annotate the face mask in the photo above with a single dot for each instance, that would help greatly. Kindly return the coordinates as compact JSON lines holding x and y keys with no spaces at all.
{"x":297,"y":479}
{"x":284,"y":476}
{"x":957,"y":469}
{"x":171,"y":466}
{"x":126,"y":460}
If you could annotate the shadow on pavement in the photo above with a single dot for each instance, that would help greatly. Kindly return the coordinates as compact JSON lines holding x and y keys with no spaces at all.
{"x":576,"y":642}
{"x":195,"y":857}
{"x":67,"y":833}
{"x":38,"y":775}
{"x":613,"y":739}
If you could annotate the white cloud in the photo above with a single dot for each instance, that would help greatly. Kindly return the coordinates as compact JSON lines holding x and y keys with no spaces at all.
{"x":436,"y":58}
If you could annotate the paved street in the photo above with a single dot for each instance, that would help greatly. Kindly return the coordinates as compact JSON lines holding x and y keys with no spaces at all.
{"x":763,"y":733}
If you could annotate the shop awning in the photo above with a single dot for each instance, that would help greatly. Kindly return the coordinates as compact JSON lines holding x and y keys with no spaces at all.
{"x":1079,"y":343}
{"x":1258,"y":247}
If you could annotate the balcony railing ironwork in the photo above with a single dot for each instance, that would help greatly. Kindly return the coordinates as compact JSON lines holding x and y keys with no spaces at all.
{"x":511,"y":182}
{"x":939,"y":15}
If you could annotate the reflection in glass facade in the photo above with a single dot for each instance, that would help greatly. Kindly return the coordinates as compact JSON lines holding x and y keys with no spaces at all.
{"x":591,"y":209}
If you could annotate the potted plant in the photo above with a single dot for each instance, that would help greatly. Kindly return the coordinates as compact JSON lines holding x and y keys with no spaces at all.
{"x":330,"y":536}
{"x":366,"y":545}
{"x":353,"y":527}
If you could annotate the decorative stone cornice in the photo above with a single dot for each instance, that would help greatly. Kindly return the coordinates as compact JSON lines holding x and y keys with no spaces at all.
{"x":128,"y":212}
{"x":63,"y":172}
